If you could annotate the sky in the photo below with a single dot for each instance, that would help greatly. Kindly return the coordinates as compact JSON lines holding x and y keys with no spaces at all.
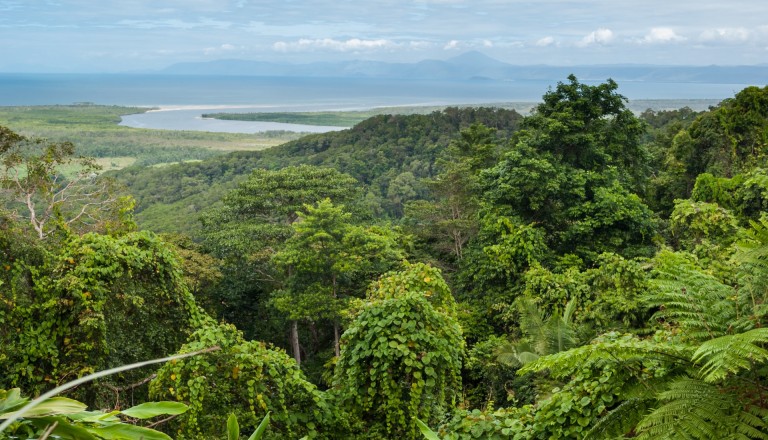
{"x":133,"y":35}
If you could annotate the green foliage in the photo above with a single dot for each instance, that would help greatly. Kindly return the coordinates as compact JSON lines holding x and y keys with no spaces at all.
{"x":698,"y":304}
{"x":68,"y":419}
{"x":606,"y":296}
{"x":572,"y":170}
{"x":67,"y":315}
{"x":418,"y":278}
{"x":448,"y":222}
{"x":691,"y":223}
{"x":590,"y":128}
{"x":36,"y":187}
{"x":254,"y":224}
{"x":375,"y":152}
{"x":95,"y":130}
{"x":492,"y":272}
{"x":730,"y":354}
{"x":400,"y":359}
{"x":245,"y":378}
{"x":692,"y":409}
{"x":541,"y":336}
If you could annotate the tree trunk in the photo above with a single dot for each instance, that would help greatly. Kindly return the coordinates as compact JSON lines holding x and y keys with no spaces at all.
{"x":295,"y":341}
{"x":336,"y":338}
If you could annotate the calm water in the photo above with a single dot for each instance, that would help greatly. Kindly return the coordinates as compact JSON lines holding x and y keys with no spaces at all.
{"x":212,"y":93}
{"x":169,"y":90}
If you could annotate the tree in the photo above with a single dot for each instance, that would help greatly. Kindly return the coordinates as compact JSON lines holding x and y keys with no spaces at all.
{"x":572,"y":171}
{"x":245,"y":378}
{"x":401,"y":357}
{"x":33,"y":178}
{"x":254,"y":224}
{"x":73,"y":310}
{"x":331,"y":261}
{"x":449,"y":221}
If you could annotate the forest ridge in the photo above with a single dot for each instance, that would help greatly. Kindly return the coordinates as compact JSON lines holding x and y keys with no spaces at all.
{"x":580,"y":272}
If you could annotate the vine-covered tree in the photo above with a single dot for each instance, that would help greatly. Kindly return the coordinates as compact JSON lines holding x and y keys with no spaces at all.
{"x":401,"y":356}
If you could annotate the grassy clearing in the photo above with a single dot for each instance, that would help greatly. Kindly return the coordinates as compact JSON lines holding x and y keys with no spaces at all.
{"x":95,"y":131}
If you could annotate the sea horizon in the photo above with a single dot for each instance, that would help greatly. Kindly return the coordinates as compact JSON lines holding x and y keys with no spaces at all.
{"x":305,"y":93}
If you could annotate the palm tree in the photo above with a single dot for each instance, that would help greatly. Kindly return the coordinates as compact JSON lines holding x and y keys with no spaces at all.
{"x":541,"y":335}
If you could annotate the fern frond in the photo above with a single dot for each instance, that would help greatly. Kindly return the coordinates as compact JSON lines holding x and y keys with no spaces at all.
{"x":700,"y":304}
{"x":612,"y":348}
{"x":731,"y":354}
{"x":752,"y":258}
{"x":620,"y":420}
{"x":693,"y":409}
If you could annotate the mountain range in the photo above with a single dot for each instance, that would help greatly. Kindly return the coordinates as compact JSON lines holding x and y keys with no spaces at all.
{"x":476,"y":66}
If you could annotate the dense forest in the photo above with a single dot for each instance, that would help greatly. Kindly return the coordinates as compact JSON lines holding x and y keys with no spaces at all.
{"x":580,"y":272}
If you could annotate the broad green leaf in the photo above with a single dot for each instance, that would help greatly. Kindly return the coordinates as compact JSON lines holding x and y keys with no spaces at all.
{"x":260,"y":429}
{"x":64,"y":429}
{"x":428,"y":433}
{"x":96,"y":416}
{"x":12,"y":400}
{"x":153,"y":409}
{"x":233,"y":428}
{"x":128,"y":432}
{"x":50,"y":407}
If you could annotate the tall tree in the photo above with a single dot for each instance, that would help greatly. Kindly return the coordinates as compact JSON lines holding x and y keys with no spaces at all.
{"x":254,"y":224}
{"x":331,"y":261}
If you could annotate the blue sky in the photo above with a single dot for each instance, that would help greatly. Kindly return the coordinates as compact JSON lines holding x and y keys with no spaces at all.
{"x":113,"y":36}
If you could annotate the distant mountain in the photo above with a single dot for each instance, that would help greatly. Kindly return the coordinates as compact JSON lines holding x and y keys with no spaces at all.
{"x":476,"y":66}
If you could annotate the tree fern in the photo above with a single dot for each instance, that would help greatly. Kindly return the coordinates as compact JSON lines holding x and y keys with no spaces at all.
{"x":693,"y":409}
{"x":752,"y":258}
{"x":620,"y":420}
{"x":702,"y":306}
{"x":731,"y":354}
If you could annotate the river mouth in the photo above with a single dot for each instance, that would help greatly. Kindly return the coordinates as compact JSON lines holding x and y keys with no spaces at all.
{"x":189,"y":118}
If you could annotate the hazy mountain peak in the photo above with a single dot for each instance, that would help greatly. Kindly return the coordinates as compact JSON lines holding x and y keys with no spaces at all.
{"x":475,"y":57}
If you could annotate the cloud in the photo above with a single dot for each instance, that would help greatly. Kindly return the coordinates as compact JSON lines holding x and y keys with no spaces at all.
{"x":420,"y":45}
{"x":599,"y":36}
{"x":174,"y":24}
{"x":729,"y":35}
{"x":661,"y":35}
{"x":353,"y":44}
{"x":487,"y":43}
{"x":546,"y":41}
{"x":226,"y":47}
{"x":451,"y":45}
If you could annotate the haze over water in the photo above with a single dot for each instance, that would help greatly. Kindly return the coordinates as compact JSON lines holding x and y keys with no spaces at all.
{"x":194,"y":95}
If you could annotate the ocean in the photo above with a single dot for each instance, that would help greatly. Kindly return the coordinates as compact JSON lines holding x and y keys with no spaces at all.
{"x":302,"y":93}
{"x":186,"y":97}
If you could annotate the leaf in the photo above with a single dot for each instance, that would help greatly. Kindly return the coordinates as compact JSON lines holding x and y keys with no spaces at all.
{"x":425,"y":431}
{"x":731,"y":354}
{"x":233,"y":428}
{"x":63,"y":428}
{"x":260,"y":429}
{"x":50,"y":407}
{"x":131,"y":432}
{"x":153,"y":409}
{"x":12,"y":400}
